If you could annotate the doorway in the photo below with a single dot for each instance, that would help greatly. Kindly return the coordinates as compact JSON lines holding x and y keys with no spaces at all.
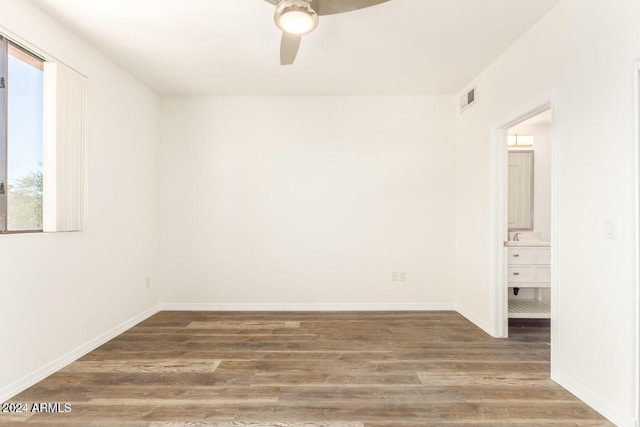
{"x":528,"y":238}
{"x":524,"y":288}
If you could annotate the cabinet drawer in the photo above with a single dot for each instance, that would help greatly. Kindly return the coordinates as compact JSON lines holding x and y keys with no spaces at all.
{"x":520,"y":274}
{"x":543,"y":256}
{"x":517,"y":256}
{"x":543,"y":274}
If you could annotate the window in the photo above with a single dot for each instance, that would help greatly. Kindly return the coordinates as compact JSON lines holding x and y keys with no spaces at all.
{"x":42,"y":143}
{"x":21,"y":139}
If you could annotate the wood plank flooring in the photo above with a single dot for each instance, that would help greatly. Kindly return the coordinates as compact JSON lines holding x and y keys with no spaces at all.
{"x":329,"y":369}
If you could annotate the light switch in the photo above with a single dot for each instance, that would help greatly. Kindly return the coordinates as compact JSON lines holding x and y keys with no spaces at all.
{"x":609,"y":229}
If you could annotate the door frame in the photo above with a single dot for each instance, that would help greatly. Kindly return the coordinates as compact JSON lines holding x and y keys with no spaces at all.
{"x":499,"y":217}
{"x":636,"y":234}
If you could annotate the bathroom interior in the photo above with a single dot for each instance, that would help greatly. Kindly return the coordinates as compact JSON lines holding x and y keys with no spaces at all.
{"x":529,"y":211}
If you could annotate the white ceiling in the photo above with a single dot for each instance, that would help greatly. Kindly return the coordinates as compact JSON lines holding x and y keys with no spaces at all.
{"x":231,"y":47}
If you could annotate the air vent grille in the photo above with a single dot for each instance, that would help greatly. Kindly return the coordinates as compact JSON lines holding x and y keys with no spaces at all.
{"x":467,"y":99}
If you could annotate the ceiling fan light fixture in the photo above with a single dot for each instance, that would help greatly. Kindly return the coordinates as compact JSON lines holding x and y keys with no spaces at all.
{"x":296,"y":16}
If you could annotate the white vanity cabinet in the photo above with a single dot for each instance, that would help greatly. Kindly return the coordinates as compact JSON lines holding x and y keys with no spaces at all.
{"x":529,"y":267}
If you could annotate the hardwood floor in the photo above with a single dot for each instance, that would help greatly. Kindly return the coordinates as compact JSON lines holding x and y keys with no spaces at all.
{"x":376,"y":369}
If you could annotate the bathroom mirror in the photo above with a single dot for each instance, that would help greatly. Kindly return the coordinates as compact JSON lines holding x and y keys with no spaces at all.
{"x":520,"y":190}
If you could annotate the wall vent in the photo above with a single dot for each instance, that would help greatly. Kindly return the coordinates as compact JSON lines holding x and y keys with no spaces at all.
{"x":467,"y":99}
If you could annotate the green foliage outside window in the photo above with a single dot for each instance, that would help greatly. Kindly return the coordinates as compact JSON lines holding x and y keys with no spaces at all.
{"x":25,"y":202}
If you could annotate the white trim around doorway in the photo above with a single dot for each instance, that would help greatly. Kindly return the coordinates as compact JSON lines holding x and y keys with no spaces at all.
{"x":636,"y":236}
{"x":499,"y":291}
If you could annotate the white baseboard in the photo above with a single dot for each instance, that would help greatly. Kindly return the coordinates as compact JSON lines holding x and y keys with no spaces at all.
{"x":480,"y":323}
{"x":38,"y":375}
{"x":306,"y":307}
{"x":595,"y":402}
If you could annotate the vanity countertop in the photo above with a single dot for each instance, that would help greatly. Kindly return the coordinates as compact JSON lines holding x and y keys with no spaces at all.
{"x":534,"y":243}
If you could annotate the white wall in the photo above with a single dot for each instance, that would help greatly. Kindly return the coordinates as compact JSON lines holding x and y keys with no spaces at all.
{"x":61,"y":291}
{"x":584,"y":51}
{"x":306,"y":201}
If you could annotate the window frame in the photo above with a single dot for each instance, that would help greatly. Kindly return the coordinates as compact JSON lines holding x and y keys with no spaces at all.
{"x":7,"y":43}
{"x":65,"y":142}
{"x":4,"y":188}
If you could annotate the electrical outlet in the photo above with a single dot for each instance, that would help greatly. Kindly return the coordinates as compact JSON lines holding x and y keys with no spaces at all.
{"x":403,"y":276}
{"x":394,"y":276}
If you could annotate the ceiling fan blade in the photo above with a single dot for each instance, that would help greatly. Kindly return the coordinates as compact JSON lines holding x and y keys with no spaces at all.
{"x":273,"y":2}
{"x":289,"y":48}
{"x":329,"y":7}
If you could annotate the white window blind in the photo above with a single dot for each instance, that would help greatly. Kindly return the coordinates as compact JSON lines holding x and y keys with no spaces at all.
{"x":64,"y":151}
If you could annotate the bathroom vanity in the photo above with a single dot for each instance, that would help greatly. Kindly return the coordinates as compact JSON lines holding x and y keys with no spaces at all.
{"x":528,"y":279}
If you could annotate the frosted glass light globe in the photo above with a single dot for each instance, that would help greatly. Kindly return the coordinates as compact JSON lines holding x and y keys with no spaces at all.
{"x":296,"y":16}
{"x":296,"y":22}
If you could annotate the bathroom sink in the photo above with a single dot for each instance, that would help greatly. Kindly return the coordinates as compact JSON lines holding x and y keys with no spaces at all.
{"x":527,"y":243}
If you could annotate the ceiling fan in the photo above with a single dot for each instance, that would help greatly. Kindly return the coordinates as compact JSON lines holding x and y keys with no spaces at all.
{"x":296,"y":18}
